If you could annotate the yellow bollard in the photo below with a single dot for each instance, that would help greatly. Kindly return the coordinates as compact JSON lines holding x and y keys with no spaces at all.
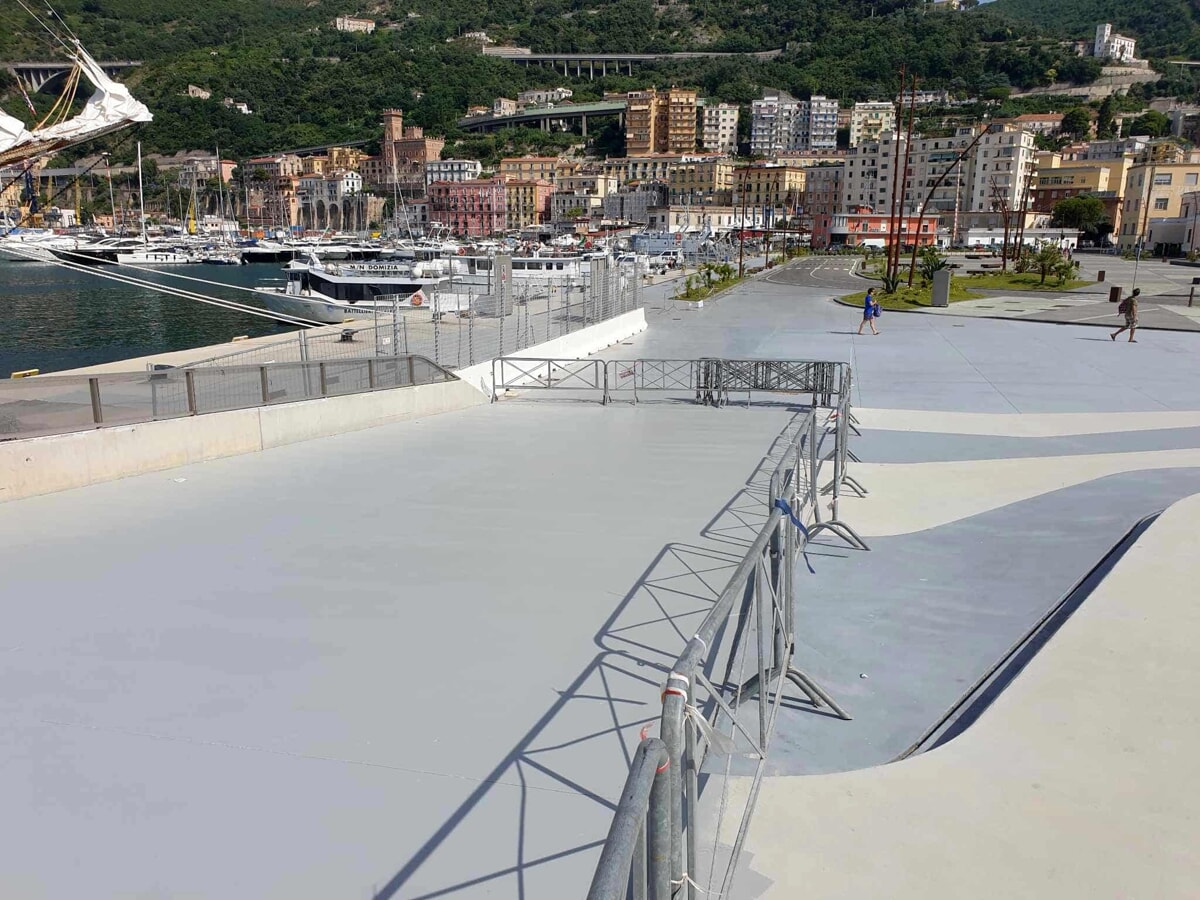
{"x":26,"y":373}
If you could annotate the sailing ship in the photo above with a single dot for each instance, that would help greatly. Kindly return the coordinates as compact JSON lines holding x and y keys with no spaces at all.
{"x":110,"y":108}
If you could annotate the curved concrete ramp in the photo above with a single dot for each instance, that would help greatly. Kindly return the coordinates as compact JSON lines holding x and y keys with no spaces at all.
{"x":1078,"y":782}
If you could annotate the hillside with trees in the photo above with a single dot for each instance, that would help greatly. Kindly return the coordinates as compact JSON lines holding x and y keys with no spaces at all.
{"x":1163,"y":28}
{"x":309,"y":84}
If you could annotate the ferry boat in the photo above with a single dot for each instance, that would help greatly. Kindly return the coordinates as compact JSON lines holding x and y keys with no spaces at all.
{"x":331,"y":294}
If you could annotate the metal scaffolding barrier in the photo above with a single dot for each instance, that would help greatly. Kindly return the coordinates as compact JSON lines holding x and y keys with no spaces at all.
{"x":709,"y":380}
{"x":722,"y":696}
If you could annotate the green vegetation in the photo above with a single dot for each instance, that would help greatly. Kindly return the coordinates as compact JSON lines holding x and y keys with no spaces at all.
{"x":309,"y":84}
{"x":1015,"y":281}
{"x":1083,"y":213}
{"x":913,"y":297}
{"x":1151,"y":122}
{"x":711,"y":279}
{"x":1162,"y":27}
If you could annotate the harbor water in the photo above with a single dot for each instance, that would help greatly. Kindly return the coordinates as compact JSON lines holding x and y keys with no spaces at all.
{"x":53,"y":319}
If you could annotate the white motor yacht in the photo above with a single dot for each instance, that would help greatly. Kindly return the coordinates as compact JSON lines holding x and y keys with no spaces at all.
{"x":34,"y":245}
{"x":321,"y":292}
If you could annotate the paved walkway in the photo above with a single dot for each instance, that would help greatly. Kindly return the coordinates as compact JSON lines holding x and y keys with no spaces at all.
{"x":1077,"y":783}
{"x":412,"y":661}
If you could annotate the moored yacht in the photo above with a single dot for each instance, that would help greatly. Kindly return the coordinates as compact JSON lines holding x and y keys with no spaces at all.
{"x":331,"y":294}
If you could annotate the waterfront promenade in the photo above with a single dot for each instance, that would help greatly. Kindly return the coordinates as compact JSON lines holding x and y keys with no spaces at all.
{"x":412,"y":661}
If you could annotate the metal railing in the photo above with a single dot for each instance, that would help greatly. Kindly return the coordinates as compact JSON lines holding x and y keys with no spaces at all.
{"x":56,"y":404}
{"x":652,"y":849}
{"x":709,"y":380}
{"x":464,"y":324}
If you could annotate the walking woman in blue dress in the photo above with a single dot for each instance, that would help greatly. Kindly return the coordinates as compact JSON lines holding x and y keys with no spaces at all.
{"x":870,"y":312}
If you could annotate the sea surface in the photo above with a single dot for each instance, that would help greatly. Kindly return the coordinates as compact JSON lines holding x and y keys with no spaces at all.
{"x":52,"y":318}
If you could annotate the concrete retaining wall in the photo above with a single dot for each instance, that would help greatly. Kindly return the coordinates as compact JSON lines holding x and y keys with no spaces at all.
{"x":62,"y":461}
{"x":582,"y":343}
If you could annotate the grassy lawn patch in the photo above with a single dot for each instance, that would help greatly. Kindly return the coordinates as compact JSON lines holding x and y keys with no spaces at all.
{"x":915,"y":296}
{"x":1030,"y":281}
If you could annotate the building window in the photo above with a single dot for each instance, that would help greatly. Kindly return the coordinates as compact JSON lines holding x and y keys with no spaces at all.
{"x":1162,"y":178}
{"x":1160,"y":203}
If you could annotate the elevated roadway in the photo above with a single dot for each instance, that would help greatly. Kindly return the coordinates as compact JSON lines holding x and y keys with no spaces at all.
{"x":543,"y":116}
{"x":592,"y":64}
{"x":36,"y":75}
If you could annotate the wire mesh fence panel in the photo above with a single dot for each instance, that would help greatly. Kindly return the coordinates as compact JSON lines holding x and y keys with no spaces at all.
{"x":59,"y":404}
{"x":219,"y":389}
{"x":32,"y":406}
{"x":127,"y":399}
{"x":169,"y":393}
{"x":292,"y":381}
{"x":346,"y":377}
{"x":287,"y":350}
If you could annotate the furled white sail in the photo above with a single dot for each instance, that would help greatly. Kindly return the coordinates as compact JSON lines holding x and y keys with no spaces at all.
{"x":12,"y":131}
{"x":110,"y":108}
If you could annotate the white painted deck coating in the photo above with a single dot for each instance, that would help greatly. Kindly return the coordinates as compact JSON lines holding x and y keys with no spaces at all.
{"x":1079,"y":783}
{"x":389,"y":663}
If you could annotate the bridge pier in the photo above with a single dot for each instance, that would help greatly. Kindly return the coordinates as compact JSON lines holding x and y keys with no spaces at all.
{"x":34,"y":76}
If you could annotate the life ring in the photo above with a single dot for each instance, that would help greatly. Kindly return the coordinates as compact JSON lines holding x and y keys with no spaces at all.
{"x":417,"y":299}
{"x":462,"y":251}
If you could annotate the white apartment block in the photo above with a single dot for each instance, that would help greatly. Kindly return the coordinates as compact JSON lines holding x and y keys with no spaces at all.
{"x":772,"y":123}
{"x":543,"y":96}
{"x":1110,"y":45}
{"x":815,"y":126}
{"x":584,"y":192}
{"x":1115,"y":149}
{"x":997,"y":173}
{"x":718,"y":127}
{"x":869,"y":120}
{"x":334,"y":187}
{"x":1005,"y":167}
{"x":351,"y":23}
{"x":452,"y":170}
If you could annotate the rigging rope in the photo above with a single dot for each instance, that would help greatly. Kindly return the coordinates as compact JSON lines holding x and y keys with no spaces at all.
{"x":50,"y":31}
{"x":130,"y":280}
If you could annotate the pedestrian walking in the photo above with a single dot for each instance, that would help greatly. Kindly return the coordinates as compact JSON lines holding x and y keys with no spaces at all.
{"x":1128,"y":308}
{"x":870,"y":312}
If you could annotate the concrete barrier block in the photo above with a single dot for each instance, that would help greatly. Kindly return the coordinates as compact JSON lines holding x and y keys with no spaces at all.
{"x":581,"y":343}
{"x":63,"y":461}
{"x":308,"y":419}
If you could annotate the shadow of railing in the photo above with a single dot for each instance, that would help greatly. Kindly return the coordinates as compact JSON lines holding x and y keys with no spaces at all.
{"x":564,"y":749}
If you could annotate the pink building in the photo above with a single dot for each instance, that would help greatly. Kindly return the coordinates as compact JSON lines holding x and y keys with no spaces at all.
{"x":475,"y":208}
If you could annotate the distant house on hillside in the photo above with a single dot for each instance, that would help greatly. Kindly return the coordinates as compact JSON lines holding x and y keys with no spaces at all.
{"x":350,"y":23}
{"x":1110,"y":45}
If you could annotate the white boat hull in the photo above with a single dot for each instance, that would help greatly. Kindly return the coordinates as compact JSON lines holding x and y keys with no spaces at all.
{"x":155,"y":258}
{"x":314,"y":310}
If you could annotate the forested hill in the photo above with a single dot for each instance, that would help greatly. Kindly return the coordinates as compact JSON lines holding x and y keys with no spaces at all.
{"x":1162,"y":28}
{"x":309,"y":84}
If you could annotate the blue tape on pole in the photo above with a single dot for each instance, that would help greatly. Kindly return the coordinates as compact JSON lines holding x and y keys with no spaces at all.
{"x":786,"y":509}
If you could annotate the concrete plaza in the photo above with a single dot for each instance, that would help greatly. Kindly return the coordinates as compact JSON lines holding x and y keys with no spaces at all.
{"x":412,"y":661}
